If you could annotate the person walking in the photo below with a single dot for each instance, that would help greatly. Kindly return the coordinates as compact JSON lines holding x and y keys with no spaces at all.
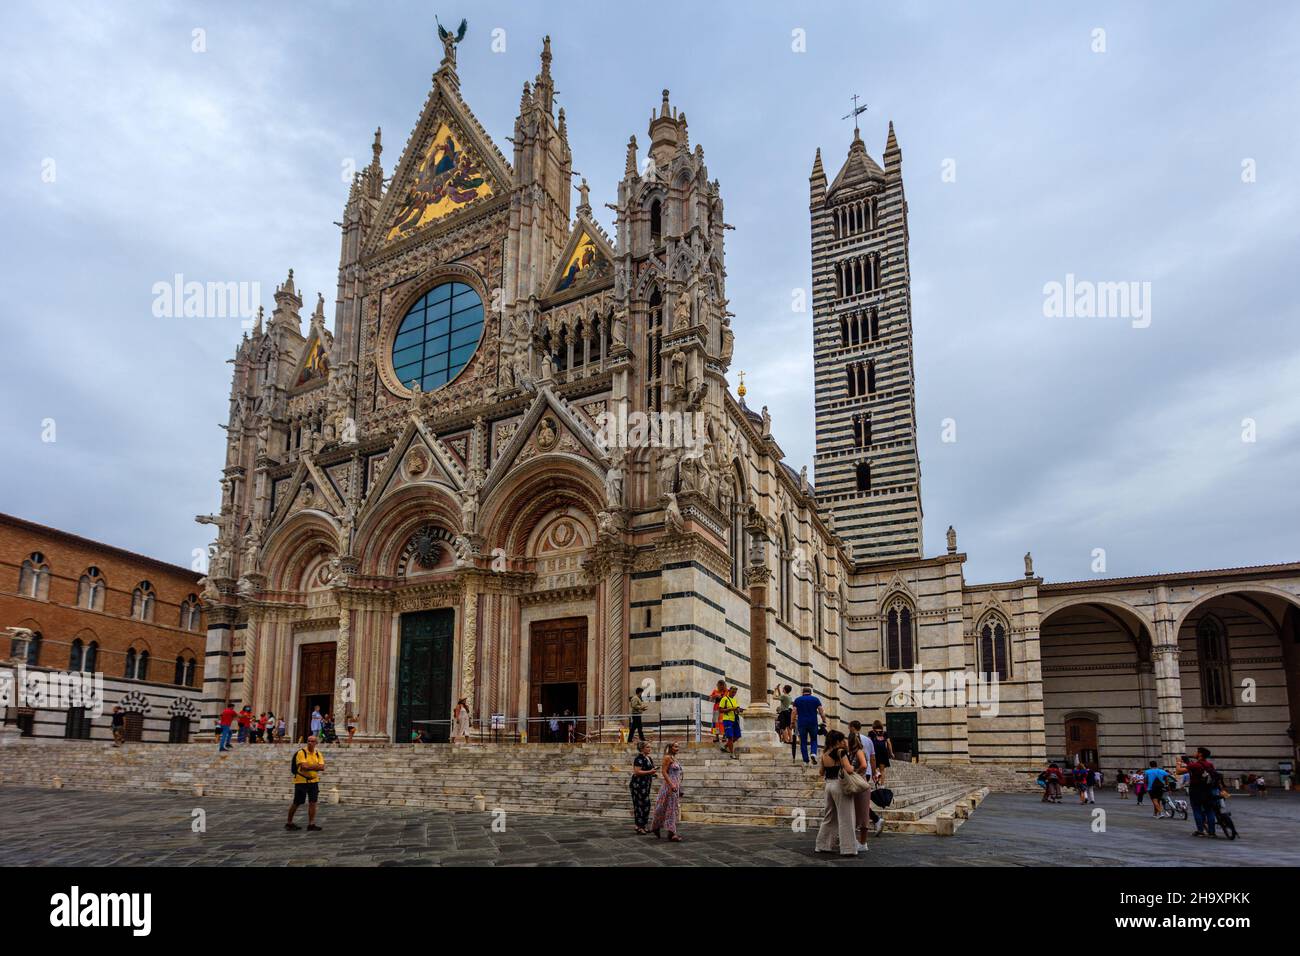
{"x":118,"y":725}
{"x":308,"y":763}
{"x":638,"y":707}
{"x":643,"y":774}
{"x":1157,"y":779}
{"x":884,"y":750}
{"x":784,"y":708}
{"x":808,"y":714}
{"x":350,"y":722}
{"x":460,"y":721}
{"x":1121,"y":784}
{"x":226,"y":723}
{"x":668,"y":805}
{"x":1052,"y":780}
{"x":1202,"y":791}
{"x":279,"y":731}
{"x":730,"y":710}
{"x":860,"y":753}
{"x":836,"y":830}
{"x":316,"y":722}
{"x":719,"y":691}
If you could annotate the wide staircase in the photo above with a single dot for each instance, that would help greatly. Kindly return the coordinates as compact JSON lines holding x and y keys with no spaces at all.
{"x":761,"y":788}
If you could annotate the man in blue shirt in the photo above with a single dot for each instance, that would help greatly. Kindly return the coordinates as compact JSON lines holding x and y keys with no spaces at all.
{"x":808,"y":714}
{"x":1157,"y":779}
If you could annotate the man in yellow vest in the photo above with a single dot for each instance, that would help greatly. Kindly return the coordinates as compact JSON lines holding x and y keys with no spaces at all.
{"x":729,"y":710}
{"x":308,"y":763}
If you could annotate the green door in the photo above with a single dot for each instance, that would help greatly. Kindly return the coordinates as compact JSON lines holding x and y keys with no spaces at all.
{"x":424,"y":674}
{"x":902,"y":731}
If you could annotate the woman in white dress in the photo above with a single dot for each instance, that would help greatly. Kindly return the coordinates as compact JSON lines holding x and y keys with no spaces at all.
{"x":460,"y":721}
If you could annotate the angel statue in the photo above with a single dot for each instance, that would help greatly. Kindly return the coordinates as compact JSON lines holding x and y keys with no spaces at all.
{"x":450,"y":40}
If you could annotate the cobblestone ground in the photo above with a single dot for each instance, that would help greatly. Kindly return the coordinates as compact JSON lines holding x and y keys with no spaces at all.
{"x":68,"y":827}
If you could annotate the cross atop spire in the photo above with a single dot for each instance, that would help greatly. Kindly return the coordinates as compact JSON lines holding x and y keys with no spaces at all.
{"x":857,"y":111}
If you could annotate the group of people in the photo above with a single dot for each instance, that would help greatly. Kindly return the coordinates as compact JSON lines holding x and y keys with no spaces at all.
{"x":243,"y":726}
{"x":801,"y":721}
{"x":1207,"y":793}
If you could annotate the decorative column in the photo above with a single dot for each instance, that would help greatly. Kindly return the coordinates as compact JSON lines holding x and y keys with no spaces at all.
{"x":469,"y":642}
{"x":616,"y":563}
{"x":345,"y":691}
{"x":759,"y":718}
{"x":252,"y":645}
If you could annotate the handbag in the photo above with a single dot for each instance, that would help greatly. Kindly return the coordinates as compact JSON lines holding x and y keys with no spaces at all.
{"x":852,"y":783}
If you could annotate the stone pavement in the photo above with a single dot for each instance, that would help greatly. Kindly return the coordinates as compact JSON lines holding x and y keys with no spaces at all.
{"x":84,"y":828}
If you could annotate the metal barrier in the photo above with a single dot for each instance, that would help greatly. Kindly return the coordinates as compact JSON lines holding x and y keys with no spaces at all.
{"x":568,"y":728}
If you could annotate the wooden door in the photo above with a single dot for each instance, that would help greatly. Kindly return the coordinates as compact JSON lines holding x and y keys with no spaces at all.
{"x":315,"y":683}
{"x":557,"y":661}
{"x":902,"y":731}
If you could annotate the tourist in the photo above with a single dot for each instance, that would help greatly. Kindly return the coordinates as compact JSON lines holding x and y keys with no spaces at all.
{"x":1079,"y":780}
{"x":1052,"y":779}
{"x":227,"y":720}
{"x":555,"y":727}
{"x":1203,"y":791}
{"x":350,"y":722}
{"x":245,"y":724}
{"x":316,"y":722}
{"x":118,"y":725}
{"x":784,"y":705}
{"x":719,"y":691}
{"x":270,"y":727}
{"x":836,"y":830}
{"x":860,"y":756}
{"x":884,"y":749}
{"x":570,"y":726}
{"x":279,"y":731}
{"x":308,"y":763}
{"x":808,"y":714}
{"x":259,"y":729}
{"x":1139,"y":782}
{"x":668,"y":805}
{"x":638,"y":705}
{"x":643,"y":774}
{"x":1157,"y":780}
{"x":460,"y":721}
{"x":1121,"y":784}
{"x":730,"y":710}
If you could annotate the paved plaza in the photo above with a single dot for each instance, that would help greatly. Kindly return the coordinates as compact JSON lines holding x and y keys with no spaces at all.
{"x":84,"y":828}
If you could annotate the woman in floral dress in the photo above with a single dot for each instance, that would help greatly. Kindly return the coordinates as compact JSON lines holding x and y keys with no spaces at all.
{"x":643,"y":773}
{"x":668,"y":805}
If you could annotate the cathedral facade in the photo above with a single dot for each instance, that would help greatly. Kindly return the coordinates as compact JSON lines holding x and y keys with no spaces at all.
{"x":514,"y":473}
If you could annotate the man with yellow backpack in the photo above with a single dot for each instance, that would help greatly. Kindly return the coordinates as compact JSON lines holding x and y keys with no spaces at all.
{"x":307,"y":765}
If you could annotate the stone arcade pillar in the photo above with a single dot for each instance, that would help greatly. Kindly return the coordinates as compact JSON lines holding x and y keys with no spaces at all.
{"x":1169,"y":701}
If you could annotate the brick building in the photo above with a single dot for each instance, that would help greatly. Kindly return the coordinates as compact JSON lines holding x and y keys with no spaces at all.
{"x":68,"y":604}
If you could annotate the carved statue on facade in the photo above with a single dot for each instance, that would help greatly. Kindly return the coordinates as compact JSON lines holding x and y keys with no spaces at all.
{"x":672,"y":515}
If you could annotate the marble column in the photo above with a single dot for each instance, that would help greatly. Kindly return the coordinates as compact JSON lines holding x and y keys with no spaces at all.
{"x":1169,"y":703}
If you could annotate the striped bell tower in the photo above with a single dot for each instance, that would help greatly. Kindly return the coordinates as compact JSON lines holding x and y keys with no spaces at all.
{"x":868,"y":474}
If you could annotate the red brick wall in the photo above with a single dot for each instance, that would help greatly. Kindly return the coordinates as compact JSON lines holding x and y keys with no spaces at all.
{"x":59,"y":620}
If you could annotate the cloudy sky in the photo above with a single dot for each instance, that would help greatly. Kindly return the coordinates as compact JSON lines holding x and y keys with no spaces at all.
{"x":1155,"y":145}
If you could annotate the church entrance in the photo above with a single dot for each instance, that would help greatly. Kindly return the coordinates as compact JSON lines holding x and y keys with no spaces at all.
{"x":902,"y":731}
{"x":557,"y":678}
{"x":424,"y":674}
{"x":1081,"y":742}
{"x":315,"y":683}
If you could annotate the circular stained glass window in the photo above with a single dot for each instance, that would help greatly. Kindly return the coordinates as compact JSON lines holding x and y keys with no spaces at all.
{"x":438,"y":335}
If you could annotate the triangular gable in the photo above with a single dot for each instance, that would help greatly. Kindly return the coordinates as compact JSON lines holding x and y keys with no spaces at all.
{"x":587,"y":262}
{"x":449,"y":165}
{"x":403,"y":464}
{"x":567,"y":421}
{"x":314,"y":367}
{"x":321,"y":485}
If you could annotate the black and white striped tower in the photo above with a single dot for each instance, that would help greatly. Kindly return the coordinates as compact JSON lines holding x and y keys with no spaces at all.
{"x":868,"y":473}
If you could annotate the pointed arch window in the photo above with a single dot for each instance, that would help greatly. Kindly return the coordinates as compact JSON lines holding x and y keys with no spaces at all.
{"x":34,"y":577}
{"x":191,"y":671}
{"x":739,"y":537}
{"x":26,"y":647}
{"x":137,"y":664}
{"x":654,"y":345}
{"x":899,"y":644}
{"x":819,"y":597}
{"x":787,"y":573}
{"x":142,"y":601}
{"x":191,"y":613}
{"x":76,"y":655}
{"x":656,"y":222}
{"x":91,"y":590}
{"x":994,"y":655}
{"x":1213,"y":660}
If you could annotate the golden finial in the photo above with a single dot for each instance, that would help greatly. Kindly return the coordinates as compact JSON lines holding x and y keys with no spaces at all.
{"x":741,"y":389}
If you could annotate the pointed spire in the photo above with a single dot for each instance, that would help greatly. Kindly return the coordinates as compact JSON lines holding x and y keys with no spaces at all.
{"x":544,"y":84}
{"x":629,"y":167}
{"x":257,"y":324}
{"x":891,"y":144}
{"x":564,"y":126}
{"x":377,"y":147}
{"x":818,"y":172}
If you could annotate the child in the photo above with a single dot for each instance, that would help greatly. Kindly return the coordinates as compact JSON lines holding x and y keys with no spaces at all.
{"x":1121,"y":784}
